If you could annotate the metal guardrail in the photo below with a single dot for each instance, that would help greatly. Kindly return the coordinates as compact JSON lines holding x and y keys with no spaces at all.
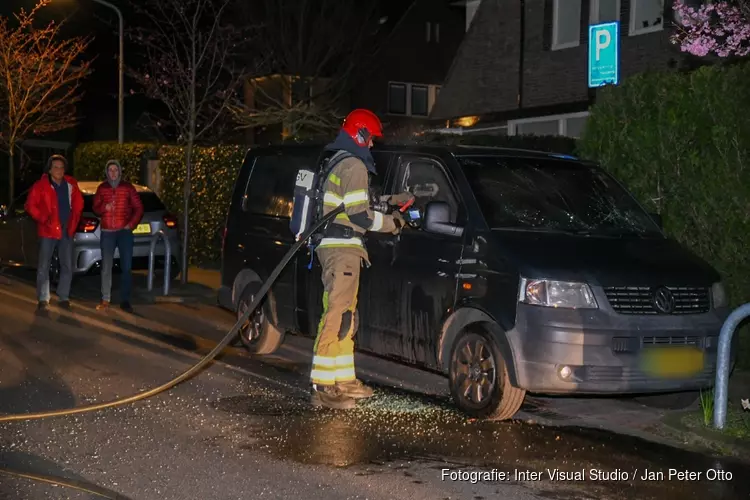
{"x":167,"y":260}
{"x":721,"y":387}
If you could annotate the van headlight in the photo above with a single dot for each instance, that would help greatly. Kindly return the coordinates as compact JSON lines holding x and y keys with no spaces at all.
{"x":719,"y":295}
{"x":563,"y":294}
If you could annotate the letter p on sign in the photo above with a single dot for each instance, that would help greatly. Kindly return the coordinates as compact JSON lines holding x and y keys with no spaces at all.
{"x":603,"y":39}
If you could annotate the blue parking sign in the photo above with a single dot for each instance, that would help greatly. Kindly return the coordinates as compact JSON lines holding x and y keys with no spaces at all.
{"x":604,"y":54}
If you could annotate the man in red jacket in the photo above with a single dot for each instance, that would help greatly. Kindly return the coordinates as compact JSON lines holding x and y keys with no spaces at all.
{"x":55,"y":203}
{"x":120,"y":208}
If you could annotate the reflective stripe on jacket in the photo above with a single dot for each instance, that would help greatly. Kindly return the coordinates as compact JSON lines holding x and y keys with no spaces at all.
{"x":349,"y":183}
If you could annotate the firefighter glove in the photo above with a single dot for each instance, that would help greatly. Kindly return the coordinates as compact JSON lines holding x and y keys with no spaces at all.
{"x":398,"y":221}
{"x":401,"y":199}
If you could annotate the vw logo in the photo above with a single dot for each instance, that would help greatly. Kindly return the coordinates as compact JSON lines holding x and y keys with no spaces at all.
{"x":664,"y":300}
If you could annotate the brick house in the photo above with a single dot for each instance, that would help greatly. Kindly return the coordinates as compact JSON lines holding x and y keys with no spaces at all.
{"x":415,"y":45}
{"x":522,"y":67}
{"x":420,"y":41}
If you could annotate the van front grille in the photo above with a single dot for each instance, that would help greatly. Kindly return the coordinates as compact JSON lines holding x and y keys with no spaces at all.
{"x":675,"y":340}
{"x":640,"y":299}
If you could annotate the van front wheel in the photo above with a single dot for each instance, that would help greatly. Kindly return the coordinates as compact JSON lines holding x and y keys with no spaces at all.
{"x":257,"y":334}
{"x":479,"y":380}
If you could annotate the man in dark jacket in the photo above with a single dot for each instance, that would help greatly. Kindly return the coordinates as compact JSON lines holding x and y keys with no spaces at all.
{"x":120,"y":209}
{"x":55,"y":203}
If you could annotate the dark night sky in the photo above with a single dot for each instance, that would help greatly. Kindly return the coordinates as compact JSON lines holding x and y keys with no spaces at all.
{"x":87,"y":18}
{"x":99,"y":106}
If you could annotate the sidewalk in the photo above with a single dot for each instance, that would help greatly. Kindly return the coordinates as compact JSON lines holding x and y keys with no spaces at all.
{"x":202,"y":286}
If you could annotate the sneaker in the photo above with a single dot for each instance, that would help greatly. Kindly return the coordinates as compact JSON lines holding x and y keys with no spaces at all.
{"x":355,"y":389}
{"x":103,"y":305}
{"x":65,"y":304}
{"x":331,"y":397}
{"x":125,"y":306}
{"x":42,"y":305}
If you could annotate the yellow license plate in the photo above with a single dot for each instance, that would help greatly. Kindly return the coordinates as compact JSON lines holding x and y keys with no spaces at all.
{"x":672,"y":362}
{"x":142,"y":229}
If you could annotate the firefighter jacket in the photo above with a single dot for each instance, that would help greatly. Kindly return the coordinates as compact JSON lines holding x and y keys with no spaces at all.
{"x":348,"y":183}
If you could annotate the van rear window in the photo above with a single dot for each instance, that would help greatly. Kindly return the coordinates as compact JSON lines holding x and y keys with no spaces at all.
{"x":270,"y":188}
{"x":553,"y":195}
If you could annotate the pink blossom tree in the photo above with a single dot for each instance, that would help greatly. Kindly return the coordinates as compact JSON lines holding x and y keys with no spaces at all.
{"x":720,"y":28}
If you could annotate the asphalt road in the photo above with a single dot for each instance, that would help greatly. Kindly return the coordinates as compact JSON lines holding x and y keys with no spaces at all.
{"x":242,"y":429}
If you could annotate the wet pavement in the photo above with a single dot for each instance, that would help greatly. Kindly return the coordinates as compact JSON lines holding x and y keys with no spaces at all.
{"x":243,"y":429}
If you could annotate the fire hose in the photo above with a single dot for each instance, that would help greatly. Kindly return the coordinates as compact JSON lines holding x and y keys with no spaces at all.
{"x":176,"y":380}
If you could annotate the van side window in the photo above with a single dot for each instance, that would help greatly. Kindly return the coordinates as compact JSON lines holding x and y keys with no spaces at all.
{"x":270,"y":188}
{"x":382,"y":161}
{"x":427,"y":181}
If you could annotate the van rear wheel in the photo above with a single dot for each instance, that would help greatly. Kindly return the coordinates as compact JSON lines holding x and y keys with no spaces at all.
{"x":257,"y":334}
{"x":479,"y":380}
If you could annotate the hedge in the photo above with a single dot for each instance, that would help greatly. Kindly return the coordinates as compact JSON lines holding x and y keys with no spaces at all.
{"x":214,"y":172}
{"x":681,"y":143}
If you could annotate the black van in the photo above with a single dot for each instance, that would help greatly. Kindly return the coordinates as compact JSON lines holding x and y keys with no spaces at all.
{"x":530,"y":272}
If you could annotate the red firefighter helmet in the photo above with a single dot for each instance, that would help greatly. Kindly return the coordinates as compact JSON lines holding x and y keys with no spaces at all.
{"x":362,"y":125}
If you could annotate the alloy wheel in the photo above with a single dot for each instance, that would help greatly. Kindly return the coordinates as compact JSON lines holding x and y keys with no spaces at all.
{"x":475,"y":371}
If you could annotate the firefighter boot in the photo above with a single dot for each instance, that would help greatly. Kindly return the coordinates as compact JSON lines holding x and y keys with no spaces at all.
{"x":355,"y":389}
{"x":331,"y":397}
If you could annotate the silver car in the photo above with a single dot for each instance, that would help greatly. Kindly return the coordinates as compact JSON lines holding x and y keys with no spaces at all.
{"x":19,"y":242}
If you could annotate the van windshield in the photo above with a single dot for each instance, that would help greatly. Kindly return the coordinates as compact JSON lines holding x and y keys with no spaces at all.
{"x":553,"y":195}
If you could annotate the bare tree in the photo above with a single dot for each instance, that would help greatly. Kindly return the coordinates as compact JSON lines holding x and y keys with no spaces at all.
{"x":40,"y":75}
{"x":190,"y":67}
{"x":314,"y":48}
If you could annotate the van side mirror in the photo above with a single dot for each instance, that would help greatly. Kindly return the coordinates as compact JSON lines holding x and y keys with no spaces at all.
{"x":437,"y":219}
{"x":657,"y":218}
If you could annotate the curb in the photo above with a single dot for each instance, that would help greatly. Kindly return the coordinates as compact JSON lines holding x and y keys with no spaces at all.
{"x":706,"y":440}
{"x":176,"y":299}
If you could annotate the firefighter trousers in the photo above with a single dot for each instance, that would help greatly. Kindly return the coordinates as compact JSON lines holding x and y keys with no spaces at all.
{"x":333,"y":357}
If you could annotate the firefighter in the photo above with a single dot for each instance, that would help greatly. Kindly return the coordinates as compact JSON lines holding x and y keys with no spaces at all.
{"x":342,"y":254}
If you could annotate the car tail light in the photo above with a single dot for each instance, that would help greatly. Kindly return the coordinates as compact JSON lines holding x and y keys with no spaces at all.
{"x":170,"y":221}
{"x":87,"y":225}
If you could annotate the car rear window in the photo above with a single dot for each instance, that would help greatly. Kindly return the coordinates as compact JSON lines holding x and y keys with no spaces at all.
{"x":151,"y":202}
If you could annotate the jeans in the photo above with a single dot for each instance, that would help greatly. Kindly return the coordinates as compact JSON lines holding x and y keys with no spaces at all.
{"x":123,"y":240}
{"x":65,"y":254}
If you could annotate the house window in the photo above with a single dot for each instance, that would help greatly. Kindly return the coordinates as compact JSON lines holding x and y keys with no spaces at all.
{"x":566,"y":24}
{"x":550,"y":127}
{"x":646,"y":16}
{"x":397,"y":98}
{"x":569,"y":125}
{"x":419,"y":100}
{"x":411,"y":99}
{"x":603,"y":11}
{"x":574,"y":126}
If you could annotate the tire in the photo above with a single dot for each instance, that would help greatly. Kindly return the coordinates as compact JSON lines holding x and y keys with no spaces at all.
{"x":498,"y":399}
{"x":671,"y":401}
{"x":258,"y":335}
